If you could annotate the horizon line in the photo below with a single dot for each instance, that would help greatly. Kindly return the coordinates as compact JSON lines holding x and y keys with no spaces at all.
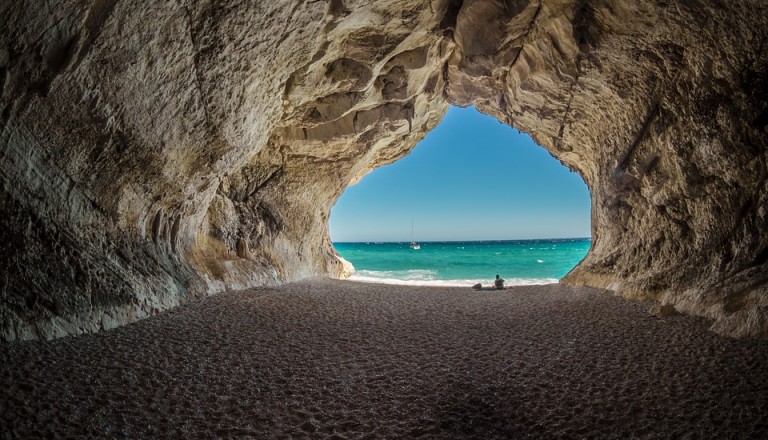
{"x":456,"y":241}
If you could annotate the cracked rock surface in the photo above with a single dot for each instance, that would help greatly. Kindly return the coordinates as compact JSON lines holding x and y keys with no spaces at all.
{"x":154,"y":154}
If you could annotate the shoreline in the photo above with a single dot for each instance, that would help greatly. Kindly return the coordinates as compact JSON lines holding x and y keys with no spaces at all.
{"x":513,"y":282}
{"x":462,"y":263}
{"x":329,"y":358}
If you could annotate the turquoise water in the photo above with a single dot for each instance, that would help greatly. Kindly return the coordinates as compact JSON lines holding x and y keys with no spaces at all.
{"x":464,"y":263}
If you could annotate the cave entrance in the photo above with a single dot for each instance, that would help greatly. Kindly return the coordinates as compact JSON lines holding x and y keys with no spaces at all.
{"x":479,"y":197}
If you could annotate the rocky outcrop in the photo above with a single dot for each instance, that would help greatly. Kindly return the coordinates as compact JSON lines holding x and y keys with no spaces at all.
{"x":156,"y":154}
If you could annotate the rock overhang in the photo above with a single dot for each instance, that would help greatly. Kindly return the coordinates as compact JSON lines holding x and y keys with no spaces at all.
{"x":156,"y":155}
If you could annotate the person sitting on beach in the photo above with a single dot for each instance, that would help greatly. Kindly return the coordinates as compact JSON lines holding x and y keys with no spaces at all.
{"x":499,"y":283}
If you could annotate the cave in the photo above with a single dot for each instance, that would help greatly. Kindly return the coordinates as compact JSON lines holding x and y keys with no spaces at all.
{"x":156,"y":155}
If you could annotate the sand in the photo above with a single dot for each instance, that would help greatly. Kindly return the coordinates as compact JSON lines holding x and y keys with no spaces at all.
{"x":333,"y":360}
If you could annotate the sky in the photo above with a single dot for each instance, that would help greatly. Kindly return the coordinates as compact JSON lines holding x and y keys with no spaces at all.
{"x":471,"y":178}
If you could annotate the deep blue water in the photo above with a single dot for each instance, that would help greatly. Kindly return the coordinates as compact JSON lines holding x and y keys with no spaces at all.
{"x":465,"y":263}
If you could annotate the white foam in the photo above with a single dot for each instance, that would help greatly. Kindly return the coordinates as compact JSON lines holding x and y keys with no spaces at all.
{"x":447,"y":283}
{"x":405,"y":275}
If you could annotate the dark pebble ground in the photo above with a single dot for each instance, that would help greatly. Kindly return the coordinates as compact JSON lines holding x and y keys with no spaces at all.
{"x":342,"y":360}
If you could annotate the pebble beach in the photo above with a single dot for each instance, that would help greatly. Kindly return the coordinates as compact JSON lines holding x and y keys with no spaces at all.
{"x":329,"y":359}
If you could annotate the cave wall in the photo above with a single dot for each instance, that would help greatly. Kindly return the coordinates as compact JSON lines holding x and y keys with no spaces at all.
{"x":154,"y":154}
{"x":661,"y":106}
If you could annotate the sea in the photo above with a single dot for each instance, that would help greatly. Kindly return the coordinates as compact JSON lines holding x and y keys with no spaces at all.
{"x":465,"y":263}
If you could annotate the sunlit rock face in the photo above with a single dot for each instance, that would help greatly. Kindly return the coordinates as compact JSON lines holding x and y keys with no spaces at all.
{"x":157,"y":153}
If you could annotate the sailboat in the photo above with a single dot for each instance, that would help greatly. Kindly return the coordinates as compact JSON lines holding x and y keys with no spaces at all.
{"x":415,"y":246}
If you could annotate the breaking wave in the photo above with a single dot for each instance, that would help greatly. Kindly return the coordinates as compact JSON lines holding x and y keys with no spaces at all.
{"x":419,"y":277}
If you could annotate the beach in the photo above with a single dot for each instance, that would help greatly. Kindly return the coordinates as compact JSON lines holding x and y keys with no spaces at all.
{"x":464,"y":263}
{"x":331,"y":359}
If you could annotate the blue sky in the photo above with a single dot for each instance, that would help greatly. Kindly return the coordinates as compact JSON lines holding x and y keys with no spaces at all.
{"x":471,"y":178}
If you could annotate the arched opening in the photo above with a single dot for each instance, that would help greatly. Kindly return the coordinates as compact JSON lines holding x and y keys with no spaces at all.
{"x":478,"y":197}
{"x":156,"y":156}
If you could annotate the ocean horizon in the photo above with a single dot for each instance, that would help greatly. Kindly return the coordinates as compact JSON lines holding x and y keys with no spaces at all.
{"x":464,"y":263}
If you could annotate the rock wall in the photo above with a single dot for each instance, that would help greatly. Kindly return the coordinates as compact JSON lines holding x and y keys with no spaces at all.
{"x":155,"y":154}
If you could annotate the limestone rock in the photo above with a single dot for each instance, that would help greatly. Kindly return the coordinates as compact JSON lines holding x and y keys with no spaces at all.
{"x":347,"y":268}
{"x":157,"y":153}
{"x":662,"y":310}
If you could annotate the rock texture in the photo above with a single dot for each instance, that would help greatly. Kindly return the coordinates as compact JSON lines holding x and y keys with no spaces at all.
{"x":153,"y":154}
